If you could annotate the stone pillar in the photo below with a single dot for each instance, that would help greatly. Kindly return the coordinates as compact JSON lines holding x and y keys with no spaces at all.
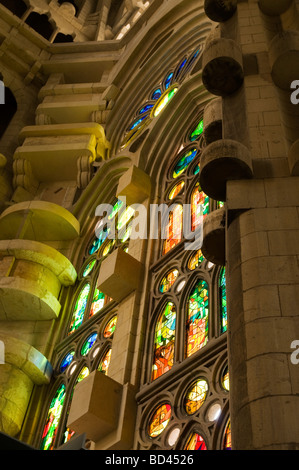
{"x":23,"y":368}
{"x":263,"y":294}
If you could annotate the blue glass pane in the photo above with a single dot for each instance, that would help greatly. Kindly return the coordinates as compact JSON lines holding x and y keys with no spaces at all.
{"x":136,"y":123}
{"x":157,"y":93}
{"x":168,"y":80}
{"x":66,"y":361}
{"x":146,"y":108}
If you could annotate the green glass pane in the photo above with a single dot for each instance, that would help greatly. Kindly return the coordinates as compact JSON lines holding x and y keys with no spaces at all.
{"x":164,"y":341}
{"x":197,"y":131}
{"x":184,"y":162}
{"x":80,"y":307}
{"x":163,"y":102}
{"x":54,"y":413}
{"x":197,"y":318}
{"x":89,"y":268}
{"x":88,"y":344}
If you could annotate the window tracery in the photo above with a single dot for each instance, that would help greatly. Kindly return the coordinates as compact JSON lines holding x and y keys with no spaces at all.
{"x":191,"y":290}
{"x":88,"y":341}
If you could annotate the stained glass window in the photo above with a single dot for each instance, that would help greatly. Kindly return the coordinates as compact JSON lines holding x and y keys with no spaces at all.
{"x":105,"y":362}
{"x":110,"y":327}
{"x":225,"y":379}
{"x":124,"y":217}
{"x":98,"y":302}
{"x":88,"y":344}
{"x":223,"y":307}
{"x":174,"y":228}
{"x":54,"y":413}
{"x":227,"y":440}
{"x":168,"y":80}
{"x":80,"y":306}
{"x":197,"y":318}
{"x":159,"y":420}
{"x":164,"y":100}
{"x":195,"y":396}
{"x":176,"y":190}
{"x":66,"y":361}
{"x":89,"y":268}
{"x":195,"y":260}
{"x":197,"y":132}
{"x":164,"y":341}
{"x":195,"y":442}
{"x":199,"y":206}
{"x":108,"y":247}
{"x":184,"y":162}
{"x":83,"y":374}
{"x":168,"y":280}
{"x":158,"y":99}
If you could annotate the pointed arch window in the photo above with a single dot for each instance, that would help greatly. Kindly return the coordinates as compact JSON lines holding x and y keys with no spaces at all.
{"x":199,"y":206}
{"x":54,"y":413}
{"x":174,"y":228}
{"x":195,"y":442}
{"x":164,"y":341}
{"x":159,"y":97}
{"x":223,"y":306}
{"x":79,"y":310}
{"x":197,"y":318}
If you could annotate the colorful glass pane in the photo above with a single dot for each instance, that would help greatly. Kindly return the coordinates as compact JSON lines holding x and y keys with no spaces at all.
{"x":195,"y":396}
{"x":174,"y":228}
{"x":117,"y":206}
{"x":163,"y":102}
{"x":159,"y":420}
{"x":199,"y":206}
{"x":88,"y":344}
{"x":54,"y":413}
{"x":196,"y":170}
{"x":223,"y":306}
{"x":98,"y":302}
{"x":225,"y":379}
{"x":176,"y":190}
{"x":168,"y":80}
{"x":137,"y":122}
{"x":195,"y":442}
{"x":156,"y":94}
{"x":83,"y":374}
{"x":168,"y":280}
{"x":110,"y":327}
{"x":180,"y":68}
{"x":80,"y":307}
{"x":146,"y":108}
{"x":66,"y":361}
{"x":125,"y":217}
{"x":104,"y":364}
{"x":96,"y":244}
{"x":195,"y":260}
{"x":108,"y":247}
{"x":89,"y":268}
{"x":197,"y":318}
{"x":227,"y":440}
{"x":184,"y":162}
{"x":164,"y":341}
{"x":197,"y":131}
